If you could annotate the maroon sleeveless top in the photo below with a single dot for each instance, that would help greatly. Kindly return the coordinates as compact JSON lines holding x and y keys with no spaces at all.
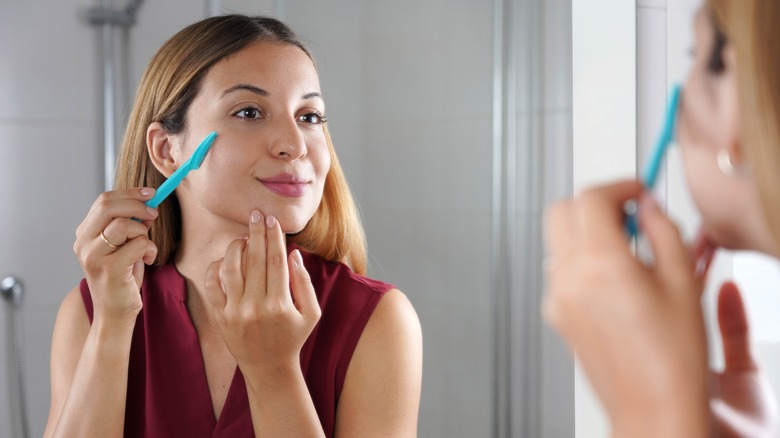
{"x":167,"y":391}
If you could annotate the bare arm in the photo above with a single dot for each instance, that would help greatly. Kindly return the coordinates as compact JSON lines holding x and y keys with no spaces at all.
{"x":381,"y":394}
{"x":88,"y":373}
{"x":282,"y":406}
{"x":89,"y":364}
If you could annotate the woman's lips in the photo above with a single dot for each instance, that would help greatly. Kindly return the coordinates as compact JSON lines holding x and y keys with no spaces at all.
{"x":286,"y":184}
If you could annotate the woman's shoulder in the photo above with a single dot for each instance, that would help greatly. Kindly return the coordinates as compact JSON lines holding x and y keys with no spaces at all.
{"x":350,"y":300}
{"x":329,"y":276}
{"x":394,"y":320}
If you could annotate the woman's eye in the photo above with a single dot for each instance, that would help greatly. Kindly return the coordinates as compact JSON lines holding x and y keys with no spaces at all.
{"x":313,"y":118}
{"x":248,"y":113}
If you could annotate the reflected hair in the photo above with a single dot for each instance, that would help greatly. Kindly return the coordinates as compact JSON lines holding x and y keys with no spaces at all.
{"x":750,"y":28}
{"x":169,"y":85}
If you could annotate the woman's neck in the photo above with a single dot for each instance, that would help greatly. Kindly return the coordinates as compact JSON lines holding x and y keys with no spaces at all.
{"x":201,"y":245}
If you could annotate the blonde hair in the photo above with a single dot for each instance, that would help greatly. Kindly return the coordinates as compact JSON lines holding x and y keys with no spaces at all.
{"x":751,"y":28}
{"x":169,"y":85}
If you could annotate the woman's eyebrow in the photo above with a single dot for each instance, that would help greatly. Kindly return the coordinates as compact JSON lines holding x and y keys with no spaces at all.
{"x":247,"y":87}
{"x":260,"y":92}
{"x":312,"y":95}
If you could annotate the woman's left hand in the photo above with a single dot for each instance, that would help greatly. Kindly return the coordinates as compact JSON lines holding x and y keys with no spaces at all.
{"x":263,"y":324}
{"x":743,"y":402}
{"x":637,"y":330}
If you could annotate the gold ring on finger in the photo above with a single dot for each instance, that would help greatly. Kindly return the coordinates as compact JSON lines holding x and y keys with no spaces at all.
{"x":103,"y":236}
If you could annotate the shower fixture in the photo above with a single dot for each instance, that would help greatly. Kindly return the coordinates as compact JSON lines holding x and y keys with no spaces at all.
{"x":12,"y":292}
{"x":109,"y":19}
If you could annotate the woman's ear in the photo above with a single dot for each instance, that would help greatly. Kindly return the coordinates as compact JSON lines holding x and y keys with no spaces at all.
{"x":160,"y":143}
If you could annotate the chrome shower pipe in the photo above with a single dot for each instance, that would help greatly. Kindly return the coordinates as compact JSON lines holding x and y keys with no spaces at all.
{"x":213,"y":8}
{"x":279,"y":9}
{"x":500,"y":273}
{"x":12,"y":292}
{"x":109,"y":18}
{"x":517,"y":182}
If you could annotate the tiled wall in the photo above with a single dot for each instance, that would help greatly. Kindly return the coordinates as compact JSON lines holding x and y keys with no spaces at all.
{"x":409,"y":90}
{"x":48,"y":133}
{"x":605,"y":125}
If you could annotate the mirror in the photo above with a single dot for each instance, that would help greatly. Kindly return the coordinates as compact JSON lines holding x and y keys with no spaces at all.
{"x":453,"y":122}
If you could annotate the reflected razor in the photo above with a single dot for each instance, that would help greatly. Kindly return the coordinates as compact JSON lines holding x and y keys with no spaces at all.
{"x":653,"y":166}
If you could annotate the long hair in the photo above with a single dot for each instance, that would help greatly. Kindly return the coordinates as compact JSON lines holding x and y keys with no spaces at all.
{"x":170,"y":83}
{"x":751,"y":28}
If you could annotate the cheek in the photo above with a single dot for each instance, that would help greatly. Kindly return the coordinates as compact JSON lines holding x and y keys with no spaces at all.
{"x":702,"y":122}
{"x":699,"y":136}
{"x":698,"y":161}
{"x":694,"y":116}
{"x":321,"y":160}
{"x":229,"y":157}
{"x":722,"y":206}
{"x":696,"y":175}
{"x":221,"y":175}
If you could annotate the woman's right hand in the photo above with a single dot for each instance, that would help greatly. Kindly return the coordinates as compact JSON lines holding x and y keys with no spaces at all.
{"x":112,"y":249}
{"x":637,"y":330}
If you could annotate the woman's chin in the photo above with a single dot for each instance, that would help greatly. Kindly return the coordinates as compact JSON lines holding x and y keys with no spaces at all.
{"x":731,"y":240}
{"x":292,"y":225}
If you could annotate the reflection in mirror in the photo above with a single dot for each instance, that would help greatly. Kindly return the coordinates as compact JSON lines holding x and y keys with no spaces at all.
{"x":701,"y":190}
{"x":453,"y":125}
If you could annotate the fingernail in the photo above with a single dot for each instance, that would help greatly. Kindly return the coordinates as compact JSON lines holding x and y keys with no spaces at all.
{"x":147,"y":192}
{"x":270,"y":221}
{"x":152,"y":212}
{"x":297,"y":258}
{"x":254,"y":217}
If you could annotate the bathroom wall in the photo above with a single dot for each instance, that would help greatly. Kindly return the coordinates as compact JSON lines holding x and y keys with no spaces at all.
{"x":409,"y":88}
{"x":605,"y":124}
{"x":48,"y":135}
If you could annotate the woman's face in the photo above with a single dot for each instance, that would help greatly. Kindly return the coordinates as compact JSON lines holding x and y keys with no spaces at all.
{"x":709,"y":123}
{"x":270,"y":154}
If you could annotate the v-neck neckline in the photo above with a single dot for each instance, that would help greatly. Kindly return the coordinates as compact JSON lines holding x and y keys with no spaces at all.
{"x":203,"y":381}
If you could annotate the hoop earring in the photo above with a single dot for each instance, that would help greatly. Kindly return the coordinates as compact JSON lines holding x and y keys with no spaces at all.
{"x":724,"y":163}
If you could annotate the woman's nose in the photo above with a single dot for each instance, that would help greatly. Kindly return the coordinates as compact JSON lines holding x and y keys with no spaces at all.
{"x":287,"y":141}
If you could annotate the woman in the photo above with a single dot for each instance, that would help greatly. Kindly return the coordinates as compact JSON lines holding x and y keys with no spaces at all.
{"x":638,"y":329}
{"x":226,"y":331}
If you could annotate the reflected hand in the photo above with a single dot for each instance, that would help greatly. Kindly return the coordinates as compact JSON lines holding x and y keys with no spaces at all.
{"x":262,"y":323}
{"x":112,"y":249}
{"x":742,"y":401}
{"x":638,"y":330}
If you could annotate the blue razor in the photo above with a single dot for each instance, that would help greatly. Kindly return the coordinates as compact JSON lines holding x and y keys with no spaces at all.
{"x":176,"y":178}
{"x":653,"y":166}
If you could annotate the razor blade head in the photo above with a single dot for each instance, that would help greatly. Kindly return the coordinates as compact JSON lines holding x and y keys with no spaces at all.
{"x":202,"y":150}
{"x":672,"y":113}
